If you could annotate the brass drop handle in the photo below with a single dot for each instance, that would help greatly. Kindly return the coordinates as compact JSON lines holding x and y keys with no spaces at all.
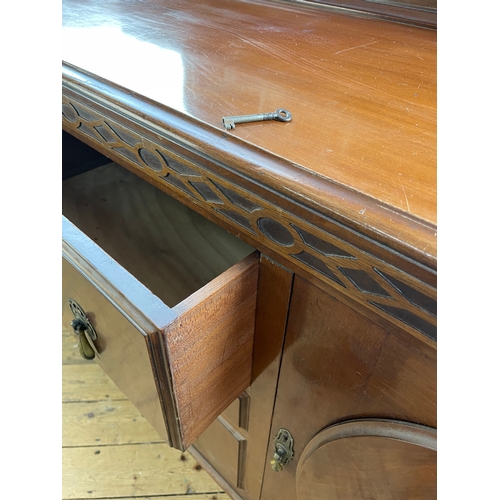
{"x":283,"y":450}
{"x":83,"y":344}
{"x":83,"y":328}
{"x":276,"y":463}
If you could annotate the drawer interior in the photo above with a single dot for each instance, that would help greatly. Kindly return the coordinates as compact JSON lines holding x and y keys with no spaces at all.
{"x":167,"y":246}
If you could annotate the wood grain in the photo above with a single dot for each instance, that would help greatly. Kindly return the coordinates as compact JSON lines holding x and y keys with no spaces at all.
{"x":245,"y":425}
{"x":344,"y":366}
{"x":169,"y":248}
{"x":361,"y":147}
{"x":212,"y":341}
{"x":416,"y":12}
{"x":192,"y":496}
{"x":122,"y":348}
{"x":357,"y":163}
{"x":209,"y":350}
{"x":89,"y":425}
{"x":233,"y":412}
{"x":221,"y":448}
{"x":108,"y":422}
{"x":215,"y":475}
{"x":87,"y":382}
{"x":87,"y":474}
{"x":273,"y":300}
{"x":318,"y":254}
{"x":360,"y":459}
{"x":183,"y":378}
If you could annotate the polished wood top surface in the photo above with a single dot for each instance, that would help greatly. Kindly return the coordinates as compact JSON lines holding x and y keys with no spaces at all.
{"x":362,"y":91}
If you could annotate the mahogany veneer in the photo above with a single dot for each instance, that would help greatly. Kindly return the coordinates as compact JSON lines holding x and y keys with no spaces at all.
{"x":329,"y":330}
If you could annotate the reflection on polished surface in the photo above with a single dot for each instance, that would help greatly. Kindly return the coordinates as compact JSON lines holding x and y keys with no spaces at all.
{"x":333,"y":319}
{"x":362,"y":92}
{"x":138,"y":65}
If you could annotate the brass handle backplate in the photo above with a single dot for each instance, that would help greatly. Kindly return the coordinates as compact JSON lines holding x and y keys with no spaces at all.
{"x":83,"y":328}
{"x":283,"y":450}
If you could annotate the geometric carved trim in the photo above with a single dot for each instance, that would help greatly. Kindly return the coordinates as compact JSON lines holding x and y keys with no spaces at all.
{"x":315,"y":263}
{"x":322,"y":246}
{"x":150,"y":159}
{"x":176,"y":182}
{"x":86,"y":129}
{"x":410,"y":319}
{"x":86,"y":114}
{"x":364,"y":282}
{"x":130,"y":155}
{"x":69,"y":112}
{"x":238,"y":218}
{"x":239,"y":201}
{"x":275,"y":231}
{"x":104,"y":132}
{"x":178,"y":167}
{"x":206,"y":192}
{"x":414,"y":296}
{"x":131,"y":140}
{"x":403,"y":300}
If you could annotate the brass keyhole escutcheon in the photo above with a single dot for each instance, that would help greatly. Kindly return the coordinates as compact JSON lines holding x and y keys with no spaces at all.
{"x":283,"y":450}
{"x":84,"y":330}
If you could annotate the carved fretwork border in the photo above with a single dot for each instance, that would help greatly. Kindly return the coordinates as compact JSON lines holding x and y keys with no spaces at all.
{"x":392,"y":293}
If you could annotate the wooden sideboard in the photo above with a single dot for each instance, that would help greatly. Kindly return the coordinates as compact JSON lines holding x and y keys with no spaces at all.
{"x":266,"y":295}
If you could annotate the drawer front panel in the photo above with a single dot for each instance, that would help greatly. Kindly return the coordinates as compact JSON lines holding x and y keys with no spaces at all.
{"x":181,"y":366}
{"x":122,"y":349}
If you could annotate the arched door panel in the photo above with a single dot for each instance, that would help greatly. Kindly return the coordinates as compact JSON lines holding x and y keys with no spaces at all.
{"x":369,"y":459}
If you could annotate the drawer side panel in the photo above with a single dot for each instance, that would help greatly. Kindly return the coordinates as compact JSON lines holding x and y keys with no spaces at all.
{"x":209,"y":347}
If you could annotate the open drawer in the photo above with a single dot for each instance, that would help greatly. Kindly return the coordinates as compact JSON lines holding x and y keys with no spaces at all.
{"x":163,"y":299}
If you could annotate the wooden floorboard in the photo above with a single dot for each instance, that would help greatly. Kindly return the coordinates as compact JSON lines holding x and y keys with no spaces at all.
{"x":131,"y":470}
{"x":192,"y":496}
{"x":87,"y":382}
{"x":105,"y":423}
{"x":110,"y":451}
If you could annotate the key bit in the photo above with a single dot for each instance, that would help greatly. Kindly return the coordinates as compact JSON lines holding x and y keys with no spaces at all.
{"x":281,"y":115}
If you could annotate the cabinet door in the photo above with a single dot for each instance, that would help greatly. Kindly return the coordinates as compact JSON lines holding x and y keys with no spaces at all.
{"x":349,"y":391}
{"x":234,"y":447}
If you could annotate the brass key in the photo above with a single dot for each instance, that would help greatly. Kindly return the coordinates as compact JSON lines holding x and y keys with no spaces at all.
{"x":281,"y":115}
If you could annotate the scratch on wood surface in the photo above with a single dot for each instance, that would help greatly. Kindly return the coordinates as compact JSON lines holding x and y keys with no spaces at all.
{"x":403,"y":188}
{"x":355,"y":47}
{"x":415,"y":221}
